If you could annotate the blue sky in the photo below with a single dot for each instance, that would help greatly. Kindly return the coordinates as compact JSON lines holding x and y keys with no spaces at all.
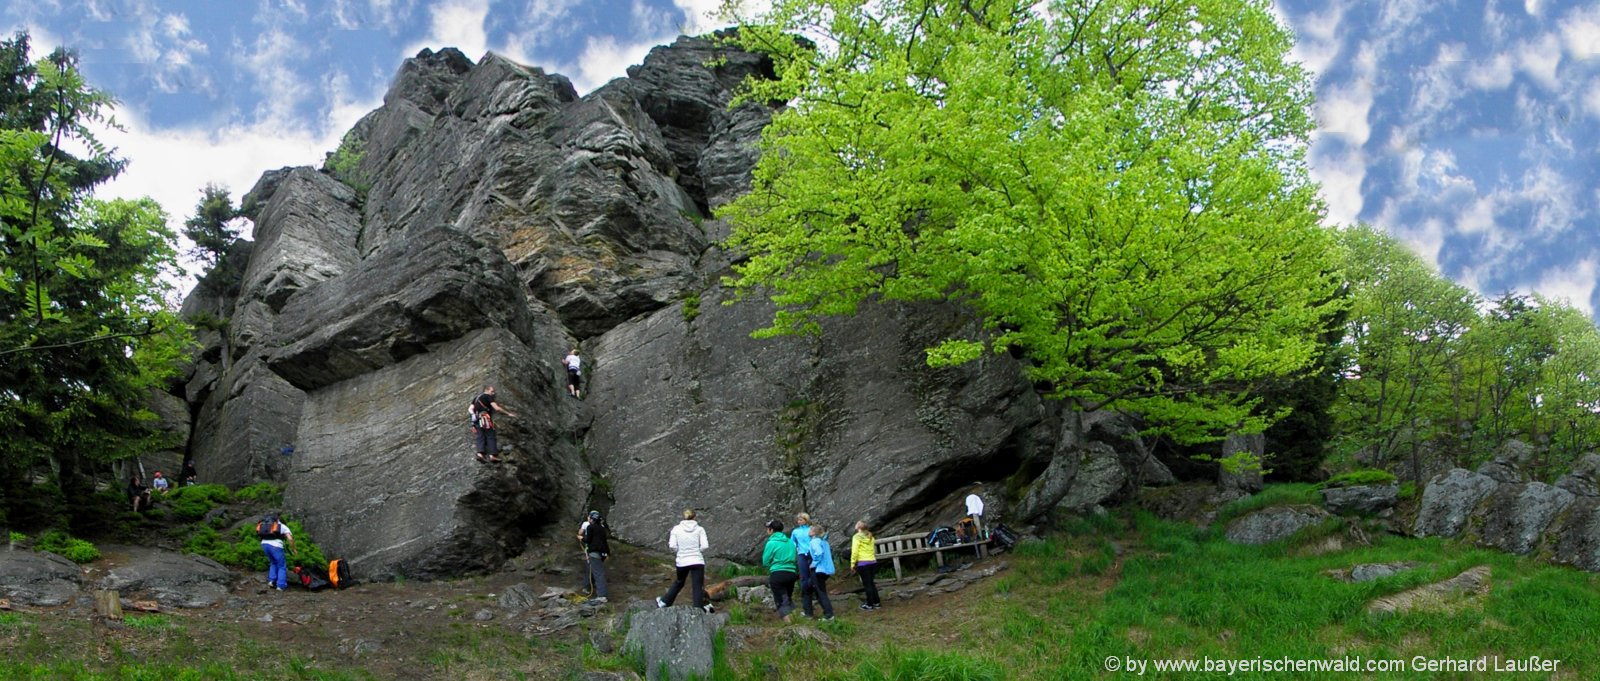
{"x":1468,"y":128}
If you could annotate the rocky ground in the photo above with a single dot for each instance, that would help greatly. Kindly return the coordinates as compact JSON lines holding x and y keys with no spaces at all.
{"x":530,"y":619}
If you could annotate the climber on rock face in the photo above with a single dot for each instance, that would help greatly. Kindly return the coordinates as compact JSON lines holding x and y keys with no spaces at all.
{"x":482,"y":413}
{"x":574,"y":365}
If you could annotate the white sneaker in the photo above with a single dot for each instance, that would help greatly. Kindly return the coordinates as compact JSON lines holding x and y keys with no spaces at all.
{"x":660,"y":603}
{"x":709,"y":608}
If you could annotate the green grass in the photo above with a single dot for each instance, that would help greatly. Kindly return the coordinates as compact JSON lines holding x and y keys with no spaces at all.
{"x":1272,"y":495}
{"x":1367,"y":476}
{"x":149,"y":623}
{"x":264,"y":493}
{"x":1179,"y":592}
{"x":732,"y":570}
{"x":193,"y":502}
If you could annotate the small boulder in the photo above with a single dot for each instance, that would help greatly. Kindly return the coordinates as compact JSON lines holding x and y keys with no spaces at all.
{"x":517,"y":597}
{"x":1274,"y":523}
{"x":681,"y":640}
{"x":1361,"y":499}
{"x":1439,"y":596}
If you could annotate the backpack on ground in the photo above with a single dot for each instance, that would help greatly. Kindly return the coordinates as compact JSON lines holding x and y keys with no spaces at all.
{"x":1004,"y":537}
{"x":339,"y":573}
{"x":943,"y":536}
{"x":269,"y":528}
{"x":310,"y":579}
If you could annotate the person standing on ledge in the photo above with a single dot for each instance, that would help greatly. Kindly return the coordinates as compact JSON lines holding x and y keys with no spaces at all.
{"x":574,"y":365}
{"x":482,"y":413}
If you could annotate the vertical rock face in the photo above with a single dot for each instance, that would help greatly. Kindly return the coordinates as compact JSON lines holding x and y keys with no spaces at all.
{"x":853,"y":424}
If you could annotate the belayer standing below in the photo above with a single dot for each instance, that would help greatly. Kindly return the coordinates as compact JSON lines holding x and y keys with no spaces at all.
{"x":482,"y":412}
{"x":596,"y":549}
{"x":688,"y":542}
{"x":778,"y":555}
{"x":801,"y":537}
{"x":273,"y":532}
{"x":574,"y":365}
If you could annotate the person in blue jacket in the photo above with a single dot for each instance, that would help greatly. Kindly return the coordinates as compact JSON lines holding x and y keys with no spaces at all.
{"x":821,"y":570}
{"x":801,"y":538}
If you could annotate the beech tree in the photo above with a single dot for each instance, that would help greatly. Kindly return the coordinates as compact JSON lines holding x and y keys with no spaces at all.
{"x":1117,"y":188}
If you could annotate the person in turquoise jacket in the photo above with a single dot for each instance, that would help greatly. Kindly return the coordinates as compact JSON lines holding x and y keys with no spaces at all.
{"x":779,"y":557}
{"x":821,"y":569}
{"x":801,"y":536}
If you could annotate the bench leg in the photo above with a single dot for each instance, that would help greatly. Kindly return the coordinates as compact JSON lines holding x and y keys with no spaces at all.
{"x":897,"y":569}
{"x":939,"y":557}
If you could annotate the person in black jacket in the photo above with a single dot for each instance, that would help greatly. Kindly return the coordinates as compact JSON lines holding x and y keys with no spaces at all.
{"x":593,"y":534}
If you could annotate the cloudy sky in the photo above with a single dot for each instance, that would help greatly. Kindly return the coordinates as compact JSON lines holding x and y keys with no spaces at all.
{"x":1468,"y":128}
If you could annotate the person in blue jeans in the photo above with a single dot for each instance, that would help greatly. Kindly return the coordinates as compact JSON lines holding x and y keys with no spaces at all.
{"x":273,"y":533}
{"x":821,"y":570}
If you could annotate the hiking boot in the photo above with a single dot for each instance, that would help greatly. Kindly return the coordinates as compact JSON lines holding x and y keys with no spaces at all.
{"x":864,"y":606}
{"x":829,"y":618}
{"x":598,"y":599}
{"x":708,"y":608}
{"x":660,"y":603}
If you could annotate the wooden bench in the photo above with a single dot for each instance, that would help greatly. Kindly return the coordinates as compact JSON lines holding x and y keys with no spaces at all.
{"x":900,"y":545}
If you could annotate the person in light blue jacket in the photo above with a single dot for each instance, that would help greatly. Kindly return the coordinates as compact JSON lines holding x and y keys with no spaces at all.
{"x":821,"y":569}
{"x":801,"y":536}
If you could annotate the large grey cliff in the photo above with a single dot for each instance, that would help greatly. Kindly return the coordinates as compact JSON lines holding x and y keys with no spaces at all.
{"x":493,"y":221}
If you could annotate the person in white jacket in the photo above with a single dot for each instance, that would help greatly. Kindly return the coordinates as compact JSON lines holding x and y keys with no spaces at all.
{"x":688,"y":541}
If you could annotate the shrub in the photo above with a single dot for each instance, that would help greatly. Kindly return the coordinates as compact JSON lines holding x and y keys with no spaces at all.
{"x":19,"y":538}
{"x":262,"y":492}
{"x":195,"y":501}
{"x":66,"y":546}
{"x":691,"y":307}
{"x":243,"y":550}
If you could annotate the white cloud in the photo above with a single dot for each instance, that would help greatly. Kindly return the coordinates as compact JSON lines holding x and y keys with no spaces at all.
{"x":604,"y":58}
{"x":699,"y":16}
{"x":1580,"y":31}
{"x":1494,"y":73}
{"x":1539,"y":59}
{"x":1575,"y":284}
{"x":171,"y":165}
{"x":1318,"y":40}
{"x":1591,"y":99}
{"x":271,"y":61}
{"x":1343,"y":111}
{"x":458,"y":24}
{"x":1340,"y":173}
{"x":1476,"y":218}
{"x":1532,"y":6}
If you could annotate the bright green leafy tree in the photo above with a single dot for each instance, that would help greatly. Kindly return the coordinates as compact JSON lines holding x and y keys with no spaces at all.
{"x":1116,"y":187}
{"x":85,"y":329}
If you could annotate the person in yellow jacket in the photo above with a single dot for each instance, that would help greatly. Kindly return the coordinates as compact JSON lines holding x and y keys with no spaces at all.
{"x":864,"y":562}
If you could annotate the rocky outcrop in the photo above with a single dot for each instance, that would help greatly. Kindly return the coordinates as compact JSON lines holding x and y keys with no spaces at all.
{"x":1584,"y":478}
{"x":1515,"y":516}
{"x":173,"y":580}
{"x":38,"y":579}
{"x":1361,"y":499}
{"x":1445,"y":596}
{"x":1524,"y":518}
{"x":1274,"y":523}
{"x":1448,"y":502}
{"x":1506,"y":466}
{"x":1247,"y":479}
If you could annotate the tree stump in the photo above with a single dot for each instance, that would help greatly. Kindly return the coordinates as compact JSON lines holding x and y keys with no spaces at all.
{"x":108,"y":604}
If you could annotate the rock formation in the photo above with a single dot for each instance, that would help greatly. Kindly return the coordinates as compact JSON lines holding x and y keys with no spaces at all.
{"x":486,"y":219}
